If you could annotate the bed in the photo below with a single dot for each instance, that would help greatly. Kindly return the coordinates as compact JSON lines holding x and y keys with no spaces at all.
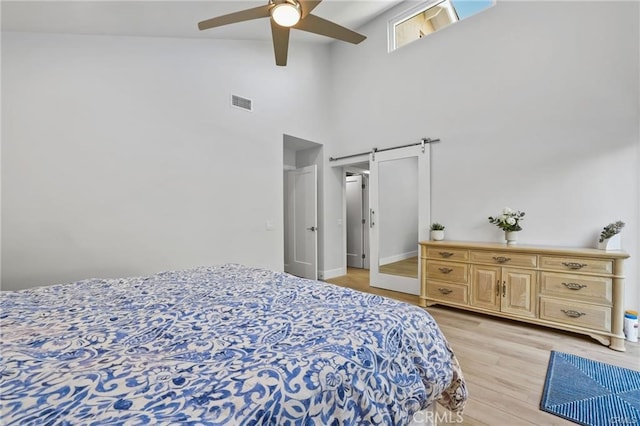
{"x":219,"y":345}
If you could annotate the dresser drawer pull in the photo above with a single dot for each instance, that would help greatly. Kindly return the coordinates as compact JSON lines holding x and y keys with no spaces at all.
{"x":445,"y":270}
{"x":501,"y":259}
{"x":445,"y":290}
{"x":572,"y":313}
{"x":445,"y":254}
{"x":574,"y":286}
{"x":574,"y":265}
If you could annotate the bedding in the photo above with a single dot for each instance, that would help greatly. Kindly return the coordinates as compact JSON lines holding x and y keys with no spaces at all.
{"x":219,"y":345}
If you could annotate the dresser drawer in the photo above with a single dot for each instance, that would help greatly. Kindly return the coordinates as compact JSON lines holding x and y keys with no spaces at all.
{"x":575,"y":313}
{"x":447,"y":292}
{"x":506,"y":259}
{"x":577,"y":287}
{"x":448,"y":271}
{"x":576,"y":264}
{"x":448,"y":254}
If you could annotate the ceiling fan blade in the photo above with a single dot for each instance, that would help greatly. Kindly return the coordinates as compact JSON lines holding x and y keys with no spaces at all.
{"x":315,"y":24}
{"x":232,"y":18}
{"x":280,"y":37}
{"x":307,"y":6}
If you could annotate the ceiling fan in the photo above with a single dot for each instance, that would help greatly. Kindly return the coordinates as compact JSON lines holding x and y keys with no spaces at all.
{"x":284,"y":15}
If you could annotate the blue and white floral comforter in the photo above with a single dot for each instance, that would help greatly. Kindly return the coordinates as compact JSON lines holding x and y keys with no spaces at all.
{"x":218,"y":345}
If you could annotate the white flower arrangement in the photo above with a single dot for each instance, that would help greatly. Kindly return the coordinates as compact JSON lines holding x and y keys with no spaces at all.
{"x":610,"y":230}
{"x":509,"y":220}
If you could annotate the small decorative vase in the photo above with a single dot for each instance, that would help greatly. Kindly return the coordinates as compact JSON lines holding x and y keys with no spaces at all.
{"x":511,"y":237}
{"x":613,"y":243}
{"x":437,"y":235}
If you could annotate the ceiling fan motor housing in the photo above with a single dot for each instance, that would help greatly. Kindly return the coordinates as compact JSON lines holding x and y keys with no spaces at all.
{"x":286,"y":13}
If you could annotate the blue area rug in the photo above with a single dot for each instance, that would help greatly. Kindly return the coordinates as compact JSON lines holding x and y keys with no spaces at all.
{"x":591,"y":393}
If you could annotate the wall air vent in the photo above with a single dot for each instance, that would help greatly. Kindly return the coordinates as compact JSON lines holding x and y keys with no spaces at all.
{"x":240,"y":102}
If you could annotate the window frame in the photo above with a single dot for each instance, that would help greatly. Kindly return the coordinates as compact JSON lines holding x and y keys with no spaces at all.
{"x":409,"y":14}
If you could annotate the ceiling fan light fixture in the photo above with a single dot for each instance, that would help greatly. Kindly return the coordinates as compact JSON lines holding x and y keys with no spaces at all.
{"x":286,"y":14}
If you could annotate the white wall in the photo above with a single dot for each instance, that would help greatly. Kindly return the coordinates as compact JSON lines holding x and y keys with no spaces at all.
{"x":537,"y":107}
{"x":122,"y":156}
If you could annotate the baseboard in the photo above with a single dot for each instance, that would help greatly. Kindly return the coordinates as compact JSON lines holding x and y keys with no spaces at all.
{"x":332,"y":273}
{"x":398,"y":257}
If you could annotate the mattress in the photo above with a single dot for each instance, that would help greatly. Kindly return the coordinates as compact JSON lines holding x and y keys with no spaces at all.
{"x":219,"y":345}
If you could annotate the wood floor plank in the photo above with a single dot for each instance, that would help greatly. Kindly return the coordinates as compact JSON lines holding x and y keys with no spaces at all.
{"x":504,"y":361}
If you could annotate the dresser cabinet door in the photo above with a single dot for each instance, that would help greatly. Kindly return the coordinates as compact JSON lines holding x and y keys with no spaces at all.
{"x":518,"y":295}
{"x":485,"y":287}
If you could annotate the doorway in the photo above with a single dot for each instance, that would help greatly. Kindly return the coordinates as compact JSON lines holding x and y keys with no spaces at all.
{"x":301,"y":230}
{"x":302,"y":184}
{"x":398,"y":215}
{"x":357,"y":222}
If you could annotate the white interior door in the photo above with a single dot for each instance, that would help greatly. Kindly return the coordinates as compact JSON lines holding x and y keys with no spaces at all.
{"x":355,"y":223}
{"x":399,"y":197}
{"x":302,"y":229}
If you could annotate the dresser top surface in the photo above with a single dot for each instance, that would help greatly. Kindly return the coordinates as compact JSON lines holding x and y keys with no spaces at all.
{"x":523,"y":248}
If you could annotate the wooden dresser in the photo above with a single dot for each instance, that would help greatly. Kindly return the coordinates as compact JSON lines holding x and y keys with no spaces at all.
{"x":579,"y":290}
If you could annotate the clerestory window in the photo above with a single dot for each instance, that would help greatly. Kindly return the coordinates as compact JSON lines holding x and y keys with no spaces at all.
{"x":431,"y":16}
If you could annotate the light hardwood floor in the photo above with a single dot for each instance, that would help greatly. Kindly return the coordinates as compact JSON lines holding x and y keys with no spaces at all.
{"x":504,"y":362}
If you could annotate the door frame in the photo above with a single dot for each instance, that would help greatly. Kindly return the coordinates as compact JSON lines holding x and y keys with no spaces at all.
{"x":354,"y":224}
{"x":364,"y":199}
{"x":347,"y":165}
{"x":297,"y":153}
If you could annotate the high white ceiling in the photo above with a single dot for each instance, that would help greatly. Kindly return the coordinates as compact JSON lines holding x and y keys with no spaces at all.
{"x":170,"y":18}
